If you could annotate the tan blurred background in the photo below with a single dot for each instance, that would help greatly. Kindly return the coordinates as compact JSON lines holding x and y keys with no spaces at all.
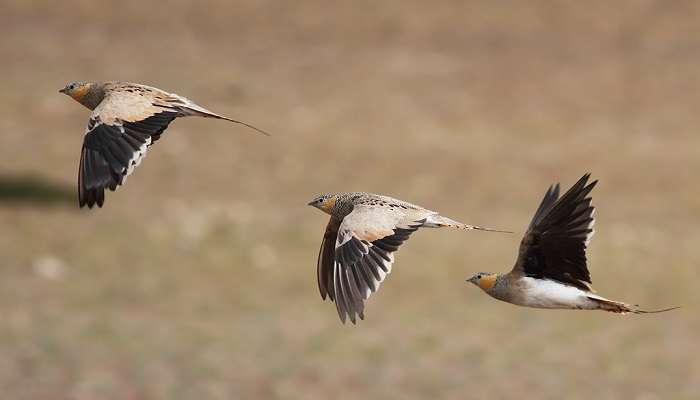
{"x":197,"y":279}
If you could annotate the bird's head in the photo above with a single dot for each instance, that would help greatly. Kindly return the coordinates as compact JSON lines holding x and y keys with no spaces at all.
{"x":324,"y":202}
{"x":76,"y":90}
{"x":484,"y":280}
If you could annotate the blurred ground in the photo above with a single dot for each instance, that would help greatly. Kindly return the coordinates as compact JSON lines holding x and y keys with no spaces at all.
{"x":197,"y":279}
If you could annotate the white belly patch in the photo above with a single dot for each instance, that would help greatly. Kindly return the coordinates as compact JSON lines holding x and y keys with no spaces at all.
{"x":542,"y":293}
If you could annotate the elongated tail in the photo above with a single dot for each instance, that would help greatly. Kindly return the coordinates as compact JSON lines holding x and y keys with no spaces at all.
{"x":624,"y":308}
{"x":438,"y":221}
{"x":196,"y":110}
{"x":217,"y":116}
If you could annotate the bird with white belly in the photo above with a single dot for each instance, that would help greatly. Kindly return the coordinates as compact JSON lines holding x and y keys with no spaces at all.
{"x":551,"y":270}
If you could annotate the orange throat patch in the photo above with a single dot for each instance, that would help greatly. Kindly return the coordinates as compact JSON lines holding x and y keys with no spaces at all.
{"x":79,"y":93}
{"x":487,"y":282}
{"x":328,"y":204}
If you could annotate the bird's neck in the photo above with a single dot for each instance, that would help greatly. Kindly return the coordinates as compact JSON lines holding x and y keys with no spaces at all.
{"x":91,"y":97}
{"x":499,"y":290}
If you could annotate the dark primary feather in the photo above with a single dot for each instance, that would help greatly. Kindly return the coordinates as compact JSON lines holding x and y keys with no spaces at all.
{"x":554,"y":246}
{"x":108,"y":152}
{"x":326,"y":259}
{"x":548,"y":200}
{"x":350,"y":273}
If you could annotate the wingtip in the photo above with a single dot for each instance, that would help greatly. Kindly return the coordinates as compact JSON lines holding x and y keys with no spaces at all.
{"x":583,"y":181}
{"x":82,"y":203}
{"x":342,"y":316}
{"x":352,"y":316}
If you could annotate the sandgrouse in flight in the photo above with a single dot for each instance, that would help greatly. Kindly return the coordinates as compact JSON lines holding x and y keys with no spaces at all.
{"x":126,"y":119}
{"x":358,"y":247}
{"x":551,"y":268}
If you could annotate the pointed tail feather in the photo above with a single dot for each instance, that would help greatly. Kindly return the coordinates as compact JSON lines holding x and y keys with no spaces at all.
{"x":638,"y":311}
{"x":438,"y":221}
{"x":479,"y":228}
{"x":624,"y":308}
{"x":242,"y":123}
{"x":203,"y":112}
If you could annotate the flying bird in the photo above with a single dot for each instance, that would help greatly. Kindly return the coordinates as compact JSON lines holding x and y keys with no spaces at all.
{"x":126,"y":119}
{"x":357,"y":250}
{"x":551,"y":270}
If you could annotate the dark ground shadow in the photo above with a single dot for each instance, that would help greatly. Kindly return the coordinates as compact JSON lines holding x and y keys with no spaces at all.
{"x":34,"y":189}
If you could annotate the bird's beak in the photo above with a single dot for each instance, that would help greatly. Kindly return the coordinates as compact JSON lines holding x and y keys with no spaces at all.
{"x":311,"y":203}
{"x":62,"y":91}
